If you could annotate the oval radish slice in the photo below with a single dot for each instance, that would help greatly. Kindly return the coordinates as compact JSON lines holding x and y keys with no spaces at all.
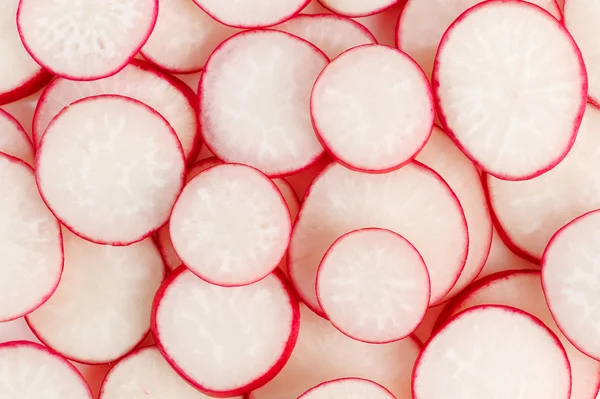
{"x":110,"y":168}
{"x":348,"y":388}
{"x":230,"y":225}
{"x":28,"y":370}
{"x":372,"y":108}
{"x":514,"y":106}
{"x":30,"y":244}
{"x":412,"y":201}
{"x":254,"y":96}
{"x":13,"y":139}
{"x":251,"y":14}
{"x":85,"y":40}
{"x":357,"y":8}
{"x":373,"y":285}
{"x":225,"y":341}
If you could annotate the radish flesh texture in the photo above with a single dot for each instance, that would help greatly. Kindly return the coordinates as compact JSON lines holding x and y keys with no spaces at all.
{"x":251,"y":14}
{"x":348,"y":388}
{"x":357,"y":8}
{"x":511,"y":88}
{"x":372,"y":108}
{"x":14,"y":140}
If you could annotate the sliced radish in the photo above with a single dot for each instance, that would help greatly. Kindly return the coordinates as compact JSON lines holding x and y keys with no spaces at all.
{"x":511,"y":87}
{"x":372,"y":108}
{"x":167,"y":95}
{"x":251,"y":14}
{"x":230,"y":225}
{"x":383,"y":24}
{"x":30,"y":244}
{"x":348,"y":388}
{"x":29,"y":370}
{"x":412,"y":201}
{"x":373,"y":285}
{"x":85,"y":40}
{"x":254,"y":96}
{"x":14,"y":140}
{"x":357,"y":8}
{"x":225,"y":341}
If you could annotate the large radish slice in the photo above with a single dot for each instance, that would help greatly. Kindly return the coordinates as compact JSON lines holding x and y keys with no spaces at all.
{"x":357,"y":8}
{"x":412,"y":201}
{"x":85,"y":40}
{"x":373,"y":285}
{"x":372,"y":108}
{"x":110,"y":168}
{"x":13,"y":139}
{"x":511,"y":88}
{"x":29,"y":370}
{"x":30,"y":243}
{"x":168,"y":96}
{"x":101,"y":309}
{"x":348,"y":388}
{"x":251,"y":14}
{"x":225,"y":341}
{"x":230,"y":225}
{"x":323,"y":353}
{"x":254,"y":101}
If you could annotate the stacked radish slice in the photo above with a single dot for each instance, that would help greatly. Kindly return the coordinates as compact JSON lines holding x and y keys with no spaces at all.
{"x":273,"y":200}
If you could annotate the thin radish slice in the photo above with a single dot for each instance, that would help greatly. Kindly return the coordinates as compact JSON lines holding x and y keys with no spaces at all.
{"x":413,"y":201}
{"x":230,"y":225}
{"x":357,"y":8}
{"x":31,"y":243}
{"x":110,"y":179}
{"x":372,"y":108}
{"x":511,"y":88}
{"x":254,"y":96}
{"x":373,"y":285}
{"x":29,"y":370}
{"x":252,"y":14}
{"x":167,"y":95}
{"x":13,"y":139}
{"x":323,"y":353}
{"x":85,"y":40}
{"x":348,"y":388}
{"x":225,"y":341}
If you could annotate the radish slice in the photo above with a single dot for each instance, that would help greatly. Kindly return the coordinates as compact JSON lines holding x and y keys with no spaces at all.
{"x":323,"y":353}
{"x":348,"y":388}
{"x":372,"y":108}
{"x":29,"y":370}
{"x":495,"y":349}
{"x":14,"y":140}
{"x":230,"y":225}
{"x":167,"y":95}
{"x":409,"y":201}
{"x":85,"y":40}
{"x":511,"y":88}
{"x":373,"y":285}
{"x":357,"y":8}
{"x":31,"y":243}
{"x":101,"y":309}
{"x":225,"y":341}
{"x":254,"y":96}
{"x":251,"y":14}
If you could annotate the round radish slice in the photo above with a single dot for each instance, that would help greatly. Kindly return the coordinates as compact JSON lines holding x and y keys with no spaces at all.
{"x":373,"y":285}
{"x":254,"y":96}
{"x":230,"y":225}
{"x":348,"y":388}
{"x":511,"y":88}
{"x":85,"y":40}
{"x":30,"y":243}
{"x":168,"y":96}
{"x":13,"y":139}
{"x":412,"y":201}
{"x":28,"y":370}
{"x":357,"y":8}
{"x":251,"y":14}
{"x":372,"y":108}
{"x":225,"y":341}
{"x":110,"y":168}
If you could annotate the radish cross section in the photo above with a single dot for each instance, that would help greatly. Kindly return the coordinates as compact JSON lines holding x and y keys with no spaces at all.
{"x":348,"y":388}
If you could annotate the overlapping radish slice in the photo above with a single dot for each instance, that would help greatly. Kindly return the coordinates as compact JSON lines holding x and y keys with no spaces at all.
{"x":251,"y":14}
{"x":511,"y":87}
{"x":225,"y":341}
{"x":254,"y":96}
{"x":13,"y":139}
{"x":412,"y":201}
{"x":348,"y":388}
{"x":85,"y":40}
{"x":373,"y":285}
{"x":372,"y":108}
{"x":357,"y":8}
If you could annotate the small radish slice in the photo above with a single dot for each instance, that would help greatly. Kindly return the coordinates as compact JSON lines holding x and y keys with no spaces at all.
{"x":230,"y":225}
{"x":348,"y":388}
{"x":167,"y":95}
{"x":383,"y":24}
{"x":254,"y":96}
{"x":29,"y":370}
{"x":357,"y":8}
{"x":372,"y":108}
{"x":30,"y":244}
{"x":14,"y":140}
{"x":110,"y":168}
{"x":373,"y":285}
{"x":251,"y":14}
{"x":85,"y":40}
{"x":511,"y":88}
{"x":225,"y":341}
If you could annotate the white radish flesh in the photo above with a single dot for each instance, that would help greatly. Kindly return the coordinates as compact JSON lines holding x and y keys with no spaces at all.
{"x":13,"y":139}
{"x":251,"y":14}
{"x":348,"y":388}
{"x":357,"y":8}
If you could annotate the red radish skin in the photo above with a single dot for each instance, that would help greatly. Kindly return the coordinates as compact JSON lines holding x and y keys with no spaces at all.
{"x":357,"y":8}
{"x":348,"y":388}
{"x":301,"y":181}
{"x":13,"y":139}
{"x":383,"y":24}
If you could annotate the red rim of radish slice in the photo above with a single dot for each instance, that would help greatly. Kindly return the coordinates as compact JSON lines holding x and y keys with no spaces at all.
{"x":349,"y":12}
{"x":263,"y":287}
{"x":342,"y":387}
{"x":34,"y":84}
{"x":392,"y":263}
{"x":343,"y":92}
{"x":484,"y":152}
{"x":14,"y":141}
